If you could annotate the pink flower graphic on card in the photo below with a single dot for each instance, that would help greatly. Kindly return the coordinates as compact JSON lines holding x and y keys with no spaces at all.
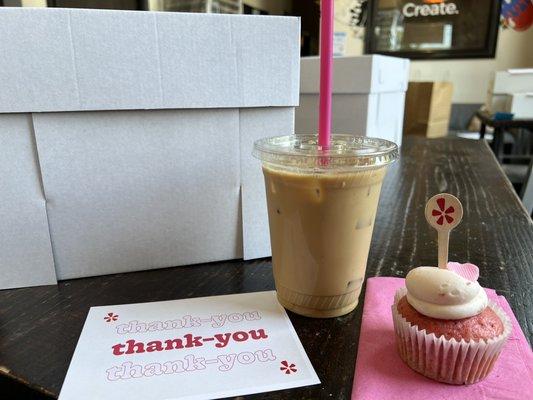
{"x":110,"y":317}
{"x":288,"y":368}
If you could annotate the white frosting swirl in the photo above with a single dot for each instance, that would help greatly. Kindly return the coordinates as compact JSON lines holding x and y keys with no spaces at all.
{"x":441,"y":293}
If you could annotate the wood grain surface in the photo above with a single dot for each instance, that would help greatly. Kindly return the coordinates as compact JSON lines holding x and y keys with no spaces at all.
{"x":39,"y":327}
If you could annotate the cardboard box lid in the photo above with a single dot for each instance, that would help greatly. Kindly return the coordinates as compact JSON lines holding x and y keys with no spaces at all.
{"x":511,"y":81}
{"x":75,"y":60}
{"x":520,"y":104}
{"x":362,"y":74}
{"x":521,"y":96}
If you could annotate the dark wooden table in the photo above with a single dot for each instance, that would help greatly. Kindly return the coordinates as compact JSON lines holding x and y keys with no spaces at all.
{"x":39,"y":327}
{"x":499,"y":127}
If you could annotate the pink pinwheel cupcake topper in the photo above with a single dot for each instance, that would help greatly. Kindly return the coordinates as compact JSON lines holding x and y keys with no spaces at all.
{"x":444,"y":212}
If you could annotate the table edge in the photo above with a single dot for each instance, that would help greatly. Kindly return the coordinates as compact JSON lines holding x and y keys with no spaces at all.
{"x":507,"y":181}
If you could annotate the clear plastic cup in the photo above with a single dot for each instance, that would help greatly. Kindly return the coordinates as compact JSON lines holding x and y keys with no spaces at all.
{"x":321,"y":210}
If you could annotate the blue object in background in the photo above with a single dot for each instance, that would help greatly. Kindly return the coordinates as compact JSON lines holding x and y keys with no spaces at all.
{"x":502,"y":116}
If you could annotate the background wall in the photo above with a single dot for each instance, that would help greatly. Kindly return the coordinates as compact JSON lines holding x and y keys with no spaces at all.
{"x":470,"y":77}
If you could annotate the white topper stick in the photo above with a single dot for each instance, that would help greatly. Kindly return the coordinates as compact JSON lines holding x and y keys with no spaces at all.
{"x":444,"y":212}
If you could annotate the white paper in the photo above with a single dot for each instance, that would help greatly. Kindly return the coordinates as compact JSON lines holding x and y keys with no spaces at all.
{"x":239,"y":344}
{"x":25,"y":250}
{"x":339,"y":43}
{"x":135,"y":190}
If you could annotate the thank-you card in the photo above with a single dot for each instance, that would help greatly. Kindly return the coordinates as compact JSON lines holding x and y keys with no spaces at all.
{"x":201,"y":348}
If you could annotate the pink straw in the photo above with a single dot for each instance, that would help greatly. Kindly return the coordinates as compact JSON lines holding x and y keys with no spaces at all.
{"x":326,"y":72}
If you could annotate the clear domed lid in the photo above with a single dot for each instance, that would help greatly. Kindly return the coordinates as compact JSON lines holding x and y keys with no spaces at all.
{"x":347,"y":152}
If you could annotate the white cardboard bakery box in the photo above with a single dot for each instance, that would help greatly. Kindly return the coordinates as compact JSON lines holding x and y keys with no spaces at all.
{"x":508,"y":82}
{"x":368,"y":96}
{"x":520,"y":104}
{"x":128,"y":138}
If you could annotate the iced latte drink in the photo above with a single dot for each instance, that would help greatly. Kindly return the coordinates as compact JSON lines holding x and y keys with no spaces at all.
{"x":321,"y":208}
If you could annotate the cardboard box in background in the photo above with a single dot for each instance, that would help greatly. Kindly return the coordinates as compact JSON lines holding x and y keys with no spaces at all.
{"x":368,"y":96}
{"x":427,"y":109}
{"x":520,"y":104}
{"x":512,"y":80}
{"x":25,"y":249}
{"x":141,"y":126}
{"x":503,"y":83}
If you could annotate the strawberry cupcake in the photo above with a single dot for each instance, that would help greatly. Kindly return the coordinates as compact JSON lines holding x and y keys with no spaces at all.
{"x":446,"y":328}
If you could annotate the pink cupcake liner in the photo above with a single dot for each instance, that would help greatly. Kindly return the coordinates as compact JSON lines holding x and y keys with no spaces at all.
{"x":447,"y":360}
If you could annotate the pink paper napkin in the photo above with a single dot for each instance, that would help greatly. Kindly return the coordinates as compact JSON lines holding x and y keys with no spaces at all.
{"x":381,"y":374}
